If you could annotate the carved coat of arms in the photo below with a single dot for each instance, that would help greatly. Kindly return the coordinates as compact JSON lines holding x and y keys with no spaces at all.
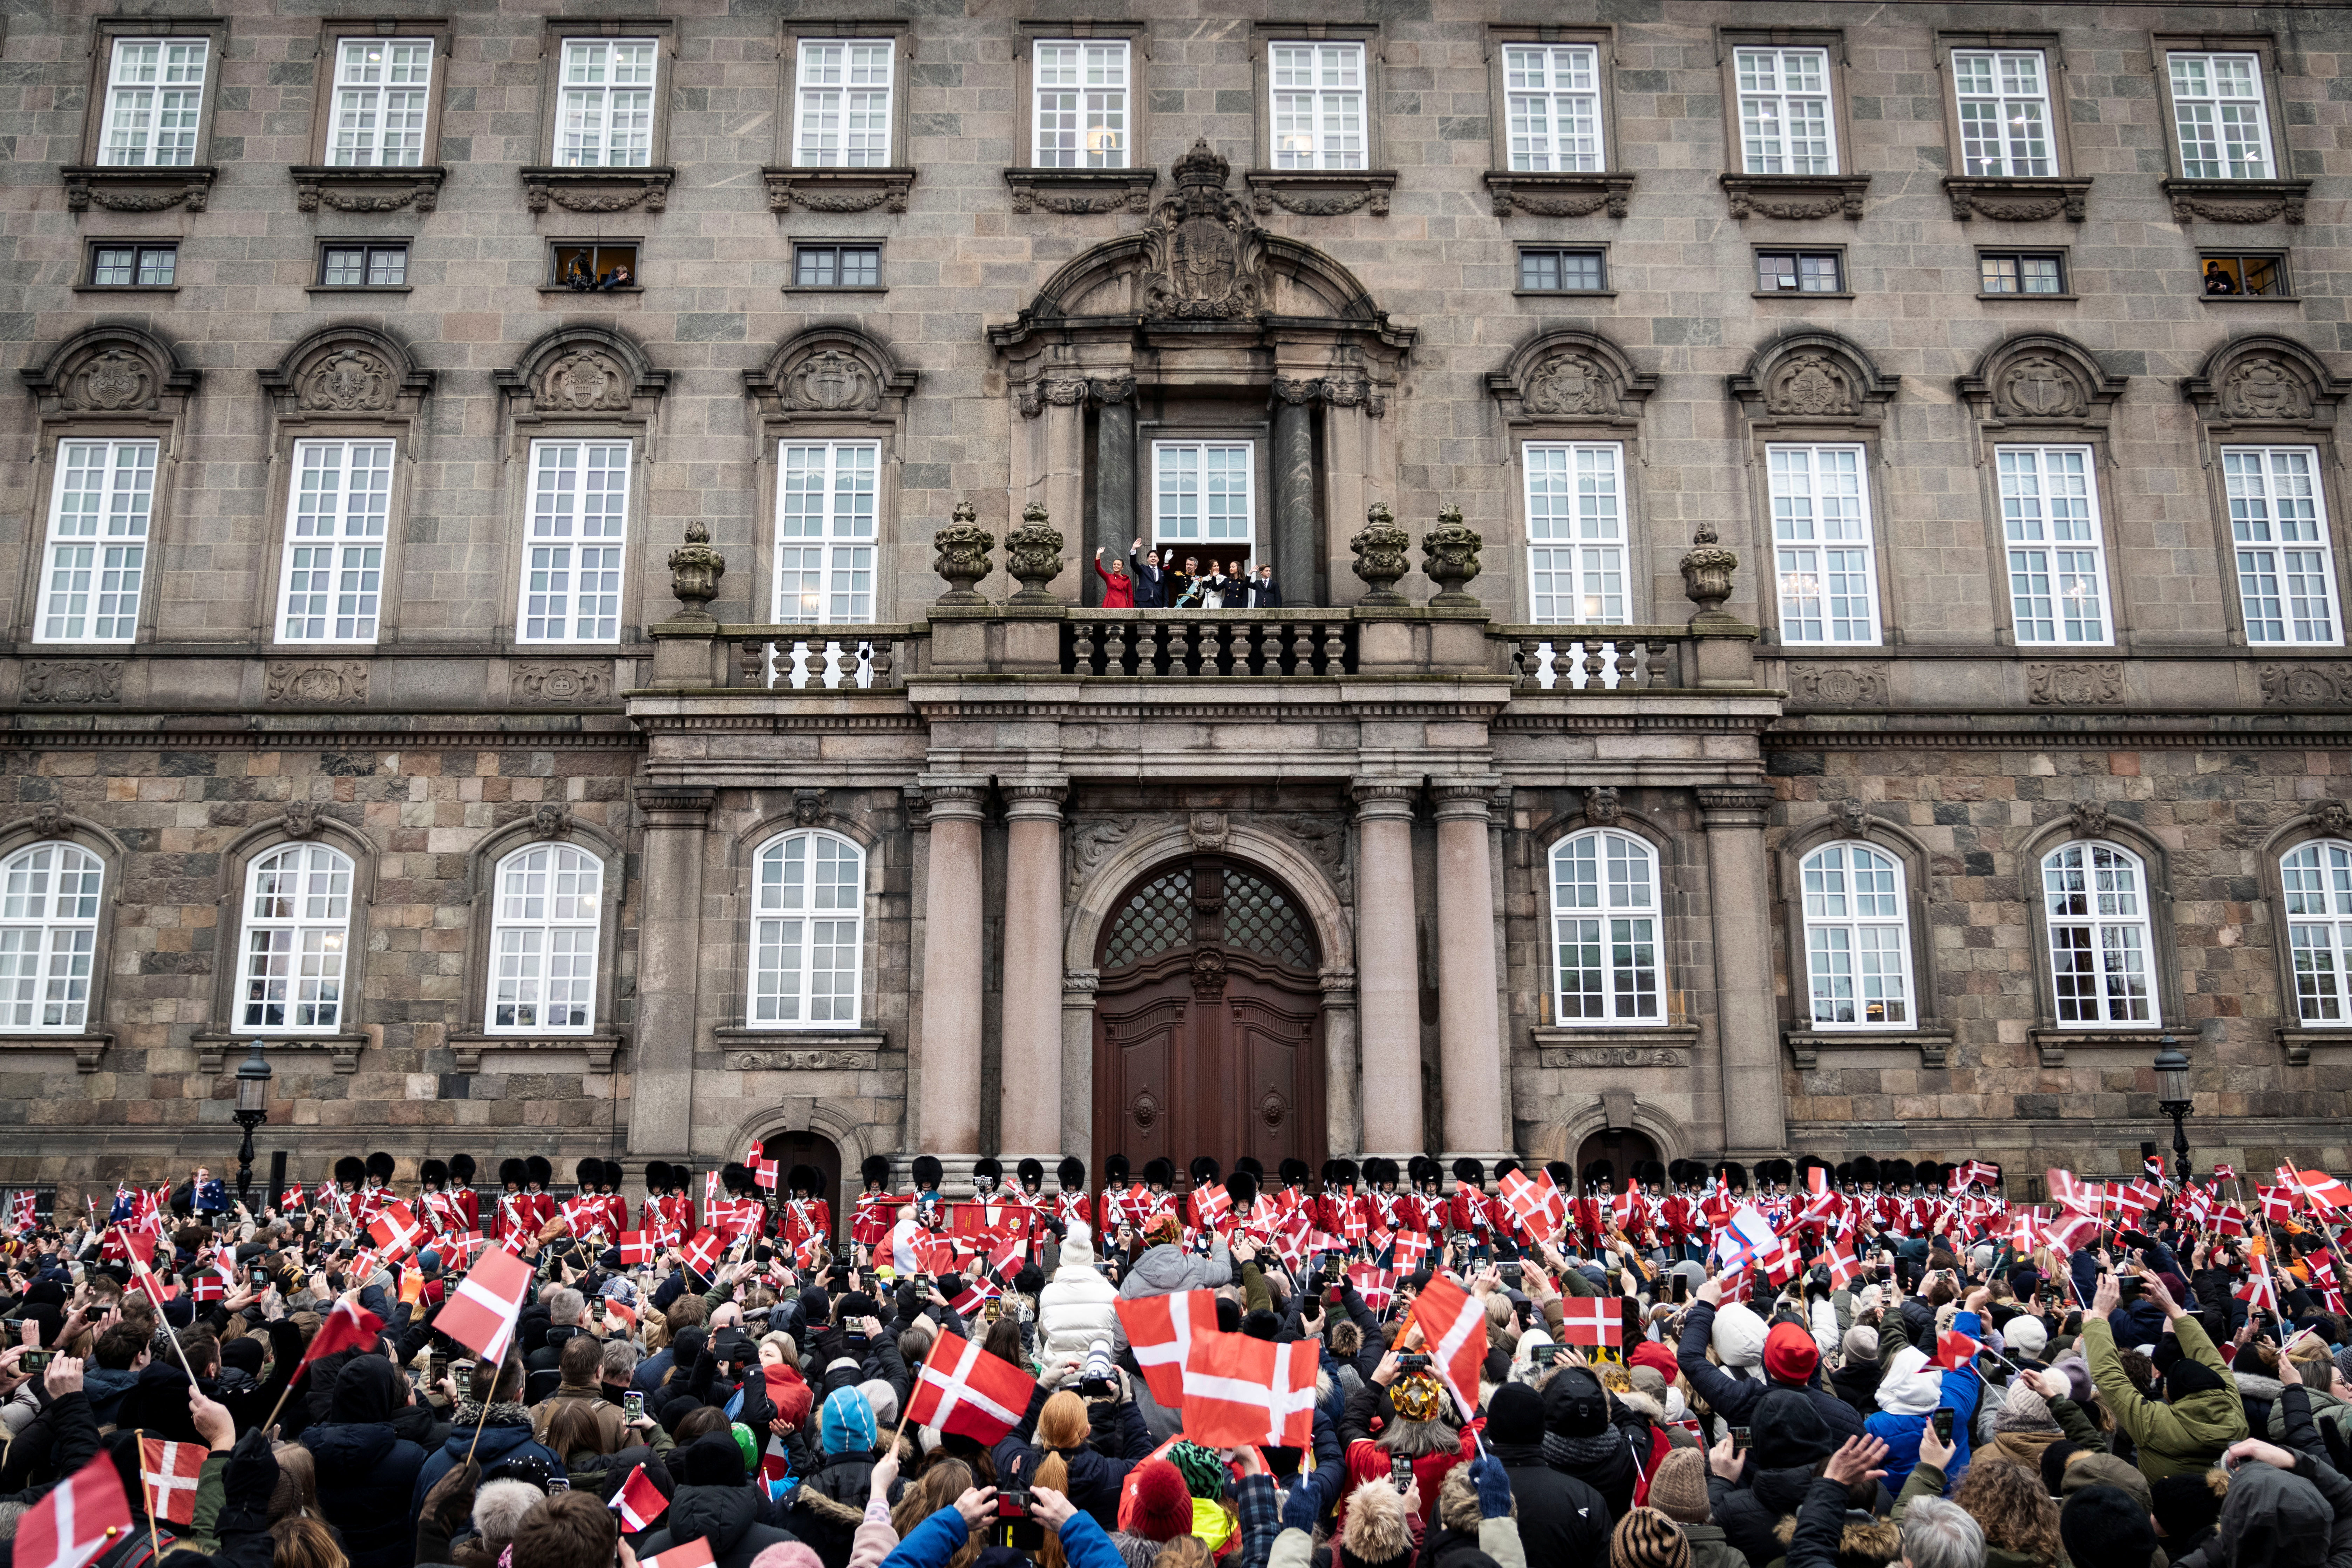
{"x":1205,"y":251}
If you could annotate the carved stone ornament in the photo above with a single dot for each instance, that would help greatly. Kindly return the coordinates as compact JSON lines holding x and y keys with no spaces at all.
{"x":1032,"y":554}
{"x":1321,"y":193}
{"x":350,"y":381}
{"x":960,"y":554}
{"x":2331,"y":818}
{"x":1613,"y":1057}
{"x":583,"y":381}
{"x":2073,"y":684}
{"x":561,"y":685}
{"x":1560,"y":195}
{"x":1853,"y":817}
{"x":1380,"y":547}
{"x":597,"y":189}
{"x":72,"y":681}
{"x":2305,"y":684}
{"x":550,"y":819}
{"x":797,"y":1061}
{"x":2237,"y":201}
{"x":1795,"y":198}
{"x":355,"y":190}
{"x":2041,"y":386}
{"x":1298,"y":393}
{"x":1602,"y":807}
{"x":322,"y":684}
{"x":837,"y":190}
{"x":2019,"y":200}
{"x":1810,"y":386}
{"x":695,"y":569}
{"x":810,"y":806}
{"x":1208,"y":971}
{"x":112,"y":379}
{"x":50,"y":821}
{"x":1707,"y":568}
{"x":1144,"y":1110}
{"x":1571,"y":383}
{"x":1838,"y":687}
{"x":1091,"y":840}
{"x":1204,"y":253}
{"x":1080,"y":192}
{"x":2087,"y":819}
{"x":1449,"y":556}
{"x":1110,"y":393}
{"x":143,"y":188}
{"x":1207,"y":830}
{"x":302,"y":819}
{"x":1325,"y":840}
{"x":832,"y":382}
{"x":2263,"y":388}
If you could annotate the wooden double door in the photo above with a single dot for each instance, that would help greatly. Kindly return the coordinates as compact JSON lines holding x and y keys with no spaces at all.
{"x":1208,"y":1021}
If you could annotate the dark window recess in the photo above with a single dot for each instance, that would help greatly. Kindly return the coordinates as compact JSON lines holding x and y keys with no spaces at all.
{"x":364,"y":267}
{"x":2020,"y":273}
{"x":586,"y":266}
{"x":2237,"y":273}
{"x":1799,"y":272}
{"x":836,"y":266}
{"x":1566,"y":271}
{"x":134,"y":266}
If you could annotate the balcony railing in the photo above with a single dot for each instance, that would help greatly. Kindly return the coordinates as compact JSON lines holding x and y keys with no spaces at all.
{"x":819,"y":658}
{"x":1235,"y":643}
{"x":1592,"y":659}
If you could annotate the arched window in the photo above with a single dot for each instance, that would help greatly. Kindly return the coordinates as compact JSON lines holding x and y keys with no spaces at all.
{"x":1857,"y":938}
{"x":543,"y":941}
{"x":1604,"y":903}
{"x":297,"y":918}
{"x":2317,"y":880}
{"x":2097,"y":902}
{"x":49,"y":936}
{"x":808,"y":927}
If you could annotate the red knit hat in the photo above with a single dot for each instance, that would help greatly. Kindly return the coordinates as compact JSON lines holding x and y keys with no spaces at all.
{"x":1163,"y":1504}
{"x":1790,"y":1354}
{"x":1650,"y":1352}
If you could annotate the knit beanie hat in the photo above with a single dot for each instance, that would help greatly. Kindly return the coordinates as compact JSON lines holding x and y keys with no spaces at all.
{"x":1786,"y":1431}
{"x":1515,"y":1415}
{"x":1650,"y":1352}
{"x":849,"y":1423}
{"x":2101,"y":1527}
{"x":1646,"y":1537}
{"x":1163,"y":1504}
{"x":1738,"y":1336}
{"x":2188,"y":1502}
{"x":2023,"y":1409}
{"x":1678,"y":1486}
{"x":1860,"y":1345}
{"x":2025,"y":1335}
{"x":1203,"y":1472}
{"x":882,"y":1399}
{"x":1789,"y":1353}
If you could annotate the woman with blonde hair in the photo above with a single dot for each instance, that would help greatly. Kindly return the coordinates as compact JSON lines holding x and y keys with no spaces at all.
{"x":304,"y":1543}
{"x":943,"y":1480}
{"x":1088,"y":1478}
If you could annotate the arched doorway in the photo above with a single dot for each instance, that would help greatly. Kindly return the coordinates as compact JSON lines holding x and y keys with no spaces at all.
{"x":790,"y":1149}
{"x":1208,"y":1020}
{"x":1622,"y":1147}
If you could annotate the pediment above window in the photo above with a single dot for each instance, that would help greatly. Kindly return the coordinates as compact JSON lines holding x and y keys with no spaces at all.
{"x":112,"y":370}
{"x":583,"y":374}
{"x":831,"y":373}
{"x":1571,"y":377}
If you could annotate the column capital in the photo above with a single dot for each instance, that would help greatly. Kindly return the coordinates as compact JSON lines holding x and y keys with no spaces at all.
{"x":1464,"y":800}
{"x":1106,"y":393}
{"x":1385,"y":800}
{"x":1735,"y":805}
{"x":1080,"y":982}
{"x":954,"y":798}
{"x":676,"y":807}
{"x":1034,"y":799}
{"x":1339,"y":984}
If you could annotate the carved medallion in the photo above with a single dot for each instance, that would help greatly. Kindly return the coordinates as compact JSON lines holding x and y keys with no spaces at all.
{"x":2264,"y":389}
{"x":1144,"y":1110}
{"x":1571,"y":383}
{"x":2073,"y":684}
{"x":562,"y":683}
{"x":2304,"y":685}
{"x":76,"y":681}
{"x":343,"y":680}
{"x":2040,"y":387}
{"x":1843,"y":687}
{"x":1811,"y":385}
{"x":348,"y":381}
{"x":1204,"y":246}
{"x":584,"y":382}
{"x":1208,"y":971}
{"x":831,"y":381}
{"x":1272,"y":1108}
{"x":116,"y":378}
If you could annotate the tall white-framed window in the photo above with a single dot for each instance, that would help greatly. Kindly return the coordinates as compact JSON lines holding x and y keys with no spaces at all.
{"x":49,"y":936}
{"x":2278,"y":525}
{"x":155,"y":101}
{"x":1204,"y":491}
{"x":825,"y":495}
{"x":2096,"y":902}
{"x":843,"y":117}
{"x":383,"y":92}
{"x":331,"y":588}
{"x":1082,"y":111}
{"x":1576,"y":532}
{"x":2217,"y":111}
{"x":2057,"y":557}
{"x":298,"y":925}
{"x":1785,"y":123}
{"x":1857,"y":938}
{"x":1604,"y":909}
{"x":808,"y":918}
{"x":1828,"y":577}
{"x":543,"y":935}
{"x":95,"y":561}
{"x":1552,"y":94}
{"x":605,"y":109}
{"x":573,"y":560}
{"x":2004,"y":99}
{"x":1317,"y":105}
{"x":2316,"y":879}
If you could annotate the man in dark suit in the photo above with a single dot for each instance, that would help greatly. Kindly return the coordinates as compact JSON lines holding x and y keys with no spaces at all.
{"x":1150,"y":578}
{"x":1263,"y":593}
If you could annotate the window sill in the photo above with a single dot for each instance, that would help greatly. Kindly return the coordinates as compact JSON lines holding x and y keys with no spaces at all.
{"x":836,"y":288}
{"x":359,"y":288}
{"x":1807,"y":1045}
{"x":837,"y":190}
{"x":213,"y":1047}
{"x":2251,"y":298}
{"x":2296,"y":1040}
{"x":137,"y":190}
{"x":86,"y":1048}
{"x":353,"y":190}
{"x":1550,"y":195}
{"x":2025,"y":199}
{"x":1799,"y":294}
{"x":2052,"y":1044}
{"x":1660,"y":1045}
{"x":2236,"y":201}
{"x":1081,"y":190}
{"x":1564,"y":293}
{"x":126,"y":288}
{"x":2010,"y":299}
{"x":770,"y":1049}
{"x":598,"y":1048}
{"x":586,"y":293}
{"x":1795,"y":196}
{"x":596,"y":190}
{"x":1320,"y":192}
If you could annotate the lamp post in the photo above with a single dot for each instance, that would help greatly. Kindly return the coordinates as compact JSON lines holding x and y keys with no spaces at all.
{"x":252,"y":1111}
{"x":2172,"y":1097}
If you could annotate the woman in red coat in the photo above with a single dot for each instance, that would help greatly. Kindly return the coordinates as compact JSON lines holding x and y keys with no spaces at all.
{"x":1118,"y":588}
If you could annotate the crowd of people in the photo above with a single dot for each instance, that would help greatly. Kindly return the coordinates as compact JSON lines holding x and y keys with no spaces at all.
{"x":1816,"y":1367}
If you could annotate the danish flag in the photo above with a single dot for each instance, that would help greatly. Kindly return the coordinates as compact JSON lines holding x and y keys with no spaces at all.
{"x":1210,"y":1204}
{"x":1376,"y":1285}
{"x":75,"y":1522}
{"x":1241,"y":1391}
{"x":965,"y":1391}
{"x":2260,"y":1288}
{"x":2070,"y":1231}
{"x":1160,"y":1331}
{"x":169,"y":1471}
{"x":23,"y":1212}
{"x":975,"y":1296}
{"x":159,"y":1289}
{"x":395,"y":1232}
{"x":1592,"y":1320}
{"x":2278,"y":1203}
{"x":1954,"y":1350}
{"x":2229,"y":1220}
{"x":2225,"y":1173}
{"x":1453,"y":1328}
{"x":637,"y":1246}
{"x":1537,"y":1205}
{"x":460,"y":1244}
{"x":701,"y":1253}
{"x":344,"y":1327}
{"x":1412,"y":1247}
{"x":1844,"y":1266}
{"x":640,"y":1502}
{"x":2071,"y":1191}
{"x":2322,"y":1190}
{"x":482,"y":1309}
{"x":763,"y":1169}
{"x":1975,"y":1171}
{"x":694,"y":1553}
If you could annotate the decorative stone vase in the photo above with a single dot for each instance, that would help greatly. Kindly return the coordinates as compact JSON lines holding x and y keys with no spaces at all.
{"x":1706,"y":575}
{"x":1449,"y":557}
{"x":1033,"y":553}
{"x":695,"y":569}
{"x":1380,"y":546}
{"x":962,"y":555}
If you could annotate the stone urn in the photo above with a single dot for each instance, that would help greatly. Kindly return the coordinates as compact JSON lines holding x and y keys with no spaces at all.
{"x":1706,"y":575}
{"x":1033,"y":553}
{"x":1449,"y":558}
{"x":695,"y":569}
{"x":960,"y":555}
{"x":1380,"y":546}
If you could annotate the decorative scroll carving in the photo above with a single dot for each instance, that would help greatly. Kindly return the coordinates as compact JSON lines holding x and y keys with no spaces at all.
{"x":2305,"y":684}
{"x":1559,"y":196}
{"x":1813,"y":375}
{"x":353,"y":190}
{"x":598,"y":190}
{"x":798,"y":1061}
{"x":330,"y":682}
{"x":1204,"y":252}
{"x":2263,"y":388}
{"x":1081,"y":192}
{"x":137,"y":188}
{"x":1810,"y":385}
{"x":2075,"y":683}
{"x":1335,"y":204}
{"x":1092,"y":841}
{"x":1571,"y":383}
{"x":2237,"y":201}
{"x":1208,"y":831}
{"x":348,"y":381}
{"x":75,"y":681}
{"x":1613,"y":1057}
{"x":837,"y":190}
{"x":583,"y":381}
{"x":1795,"y":196}
{"x":1208,"y":972}
{"x":2040,"y":386}
{"x":1839,"y":685}
{"x":560,"y":685}
{"x":2018,"y":200}
{"x":113,"y":379}
{"x":1325,"y":840}
{"x":830,"y":382}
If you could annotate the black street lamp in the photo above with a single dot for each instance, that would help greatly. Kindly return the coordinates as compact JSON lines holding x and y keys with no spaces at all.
{"x":252,"y":1111}
{"x":2172,"y":1097}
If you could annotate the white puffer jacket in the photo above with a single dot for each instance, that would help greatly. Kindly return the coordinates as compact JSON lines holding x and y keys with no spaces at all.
{"x":1074,"y":1310}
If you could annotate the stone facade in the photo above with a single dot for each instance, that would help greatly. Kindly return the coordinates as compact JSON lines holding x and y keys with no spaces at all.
{"x":1007,"y":762}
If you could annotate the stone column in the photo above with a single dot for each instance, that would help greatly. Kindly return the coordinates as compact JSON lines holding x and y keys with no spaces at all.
{"x":1061,"y":484}
{"x":1114,"y":529}
{"x":1746,"y":1016}
{"x":1469,"y":1029}
{"x":1343,"y":1127}
{"x":1388,"y":968}
{"x":1296,"y":539}
{"x":1078,"y":1064}
{"x":948,"y":1121}
{"x":1030,"y":1105}
{"x":669,"y":963}
{"x":1347,"y":486}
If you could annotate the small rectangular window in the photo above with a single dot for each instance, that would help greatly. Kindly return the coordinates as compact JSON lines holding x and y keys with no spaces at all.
{"x":1785,"y":123}
{"x":2216,"y":108}
{"x":1553,"y":98}
{"x":363,"y":267}
{"x":134,"y":266}
{"x":1565,"y":271}
{"x":2242,"y":275}
{"x":843,"y":117}
{"x":1317,"y":105}
{"x":2004,"y":102}
{"x":154,"y":102}
{"x":836,"y":266}
{"x":382,"y":88}
{"x":1799,"y":272}
{"x":605,"y":109}
{"x":1082,"y":104}
{"x":582,"y":265}
{"x":2020,"y":272}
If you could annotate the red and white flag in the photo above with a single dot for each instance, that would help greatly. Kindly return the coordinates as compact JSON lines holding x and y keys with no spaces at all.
{"x":638,"y":1246}
{"x":481,"y":1312}
{"x":170,"y":1472}
{"x":1454,"y":1333}
{"x":24,"y":1213}
{"x":694,"y":1553}
{"x":2225,"y":1173}
{"x":763,"y":1169}
{"x":458,"y":1246}
{"x":159,"y":1289}
{"x":1591,"y":1321}
{"x":1375,"y":1284}
{"x":964,"y":1390}
{"x":1239,"y":1389}
{"x":1160,"y":1331}
{"x":1537,"y":1205}
{"x":1972,"y":1172}
{"x":2322,"y":1190}
{"x":975,"y":1296}
{"x":1413,"y":1249}
{"x":75,"y":1522}
{"x":1954,"y":1350}
{"x":344,"y":1327}
{"x":2259,"y":1289}
{"x":2278,"y":1203}
{"x":701,"y":1253}
{"x":640,"y":1502}
{"x":2229,"y":1220}
{"x":616,"y":1310}
{"x":1843,"y":1264}
{"x":395,"y":1231}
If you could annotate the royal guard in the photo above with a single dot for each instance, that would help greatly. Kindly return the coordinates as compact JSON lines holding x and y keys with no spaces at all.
{"x":1423,"y":1210}
{"x":806,"y":1212}
{"x":1029,"y":1184}
{"x":930,"y":1209}
{"x":506,"y":1214}
{"x":649,"y":1212}
{"x":608,"y":1191}
{"x":434,"y":1208}
{"x":1295,"y":1194}
{"x":537,"y":1205}
{"x":376,"y":1191}
{"x":591,"y":1218}
{"x":1159,"y":1194}
{"x":351,"y":1174}
{"x":1588,"y":1215}
{"x":1071,"y":1205}
{"x":1112,"y":1208}
{"x":987,"y":1173}
{"x":1204,"y":1173}
{"x":1337,"y":1209}
{"x":877,"y":1206}
{"x":1260,"y":1216}
{"x":1381,"y":1198}
{"x":737,"y":1181}
{"x":1471,"y":1216}
{"x":1678,"y":1215}
{"x":462,"y":1195}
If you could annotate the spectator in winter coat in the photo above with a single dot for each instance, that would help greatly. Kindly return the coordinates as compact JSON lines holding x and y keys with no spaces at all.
{"x":368,"y":1486}
{"x":1098,"y":1448}
{"x":1910,"y":1396}
{"x":1561,"y":1517}
{"x":940,"y":1537}
{"x":829,"y":1504}
{"x":1075,"y":1307}
{"x":1855,"y":1381}
{"x":1678,"y":1491}
{"x":1580,"y":1442}
{"x":1741,"y":1342}
{"x":506,"y":1439}
{"x":1788,"y":1441}
{"x":2200,"y":1415}
{"x":714,"y":1502}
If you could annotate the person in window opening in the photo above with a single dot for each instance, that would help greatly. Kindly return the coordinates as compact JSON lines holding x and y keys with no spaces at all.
{"x":1185,"y":587}
{"x":2217,"y":280}
{"x":1263,"y":593}
{"x":1229,"y":588}
{"x":616,"y":278}
{"x":1118,"y":588}
{"x":1150,"y":577}
{"x":1212,"y":587}
{"x":575,"y":277}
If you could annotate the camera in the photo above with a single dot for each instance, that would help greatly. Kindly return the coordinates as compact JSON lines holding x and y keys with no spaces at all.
{"x":1097,"y":1379}
{"x":1512,"y":1275}
{"x":1412,"y":1363}
{"x":35,"y":1361}
{"x":1013,"y":1526}
{"x":1545,"y":1355}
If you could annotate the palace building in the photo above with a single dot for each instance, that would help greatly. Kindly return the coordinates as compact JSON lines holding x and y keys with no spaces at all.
{"x":555,"y":547}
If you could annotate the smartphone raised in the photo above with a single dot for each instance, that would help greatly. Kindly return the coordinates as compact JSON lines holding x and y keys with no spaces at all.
{"x":1942,"y":1421}
{"x":1401,"y":1474}
{"x":1740,"y":1440}
{"x":633,"y":1403}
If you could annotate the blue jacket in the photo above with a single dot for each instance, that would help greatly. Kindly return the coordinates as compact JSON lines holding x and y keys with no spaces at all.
{"x":499,"y":1443}
{"x":938,"y":1538}
{"x":1962,"y":1390}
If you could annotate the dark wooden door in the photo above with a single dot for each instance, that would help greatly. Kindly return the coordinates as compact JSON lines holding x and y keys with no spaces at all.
{"x":790,"y":1149}
{"x":1208,"y":1021}
{"x":1622,"y":1147}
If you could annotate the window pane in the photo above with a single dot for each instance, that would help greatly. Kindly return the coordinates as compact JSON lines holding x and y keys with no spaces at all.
{"x":2217,"y":112}
{"x":1538,"y":269}
{"x":157,"y":265}
{"x":97,"y":552}
{"x":114,"y":265}
{"x":2056,"y":556}
{"x":1821,"y":520}
{"x":1318,"y":108}
{"x":335,"y":528}
{"x":1553,"y":103}
{"x":388,"y":267}
{"x":344,"y":269}
{"x":1202,"y":490}
{"x":819,"y":267}
{"x":807,"y":939}
{"x":825,"y":522}
{"x":297,"y":926}
{"x":571,"y":566}
{"x":1784,"y":112}
{"x":2286,"y":578}
{"x":1081,"y":91}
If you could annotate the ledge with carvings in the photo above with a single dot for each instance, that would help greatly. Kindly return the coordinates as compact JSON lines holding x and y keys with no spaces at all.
{"x":1321,"y":193}
{"x":138,"y":189}
{"x":2019,"y":200}
{"x":2237,"y":201}
{"x":1613,"y":1046}
{"x":2050,"y":1045}
{"x":1807,"y":1046}
{"x":757,"y":1049}
{"x":214,"y":1047}
{"x":344,"y":190}
{"x":599,"y":1047}
{"x":2297,"y":1041}
{"x":1082,"y":190}
{"x":1795,"y":196}
{"x":837,"y":190}
{"x":86,"y":1048}
{"x":609,"y":190}
{"x":1559,"y":196}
